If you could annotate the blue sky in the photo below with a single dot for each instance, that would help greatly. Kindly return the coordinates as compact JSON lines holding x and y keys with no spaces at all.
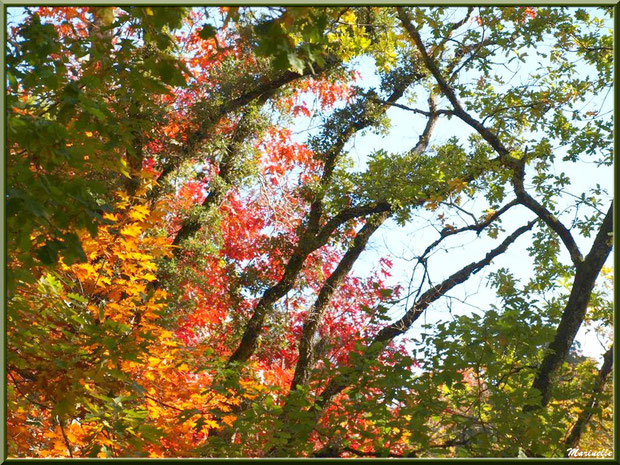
{"x":402,"y":244}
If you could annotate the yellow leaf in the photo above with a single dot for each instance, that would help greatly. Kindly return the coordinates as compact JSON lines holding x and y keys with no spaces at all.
{"x":129,"y":245}
{"x":348,"y":17}
{"x":210,"y":424}
{"x":132,"y":230}
{"x":139,"y":212}
{"x":148,"y":266}
{"x":229,"y":419}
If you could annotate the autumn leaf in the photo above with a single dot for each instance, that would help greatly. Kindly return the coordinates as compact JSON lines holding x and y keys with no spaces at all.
{"x":131,"y":230}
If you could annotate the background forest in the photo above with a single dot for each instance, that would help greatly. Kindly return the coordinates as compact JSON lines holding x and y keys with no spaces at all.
{"x":296,"y":231}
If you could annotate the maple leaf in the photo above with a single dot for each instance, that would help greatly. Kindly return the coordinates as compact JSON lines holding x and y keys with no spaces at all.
{"x":139,"y":212}
{"x":132,"y":230}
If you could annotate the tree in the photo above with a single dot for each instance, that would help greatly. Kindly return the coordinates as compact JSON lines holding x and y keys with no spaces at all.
{"x":186,"y":270}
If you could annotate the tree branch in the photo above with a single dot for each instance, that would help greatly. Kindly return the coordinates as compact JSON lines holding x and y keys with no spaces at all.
{"x":25,"y":396}
{"x":433,"y":116}
{"x":261,"y":93}
{"x":584,"y":417}
{"x":478,"y":227}
{"x":306,"y":345}
{"x":550,"y":220}
{"x":348,"y":214}
{"x":388,"y":333}
{"x":192,"y":226}
{"x":416,"y":110}
{"x":308,"y":243}
{"x":314,"y":237}
{"x":357,"y":118}
{"x":448,"y":91}
{"x":575,"y":310}
{"x":64,"y":436}
{"x":453,"y":27}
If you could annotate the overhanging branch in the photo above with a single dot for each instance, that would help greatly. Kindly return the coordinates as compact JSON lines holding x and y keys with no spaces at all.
{"x":388,"y":333}
{"x":549,"y":218}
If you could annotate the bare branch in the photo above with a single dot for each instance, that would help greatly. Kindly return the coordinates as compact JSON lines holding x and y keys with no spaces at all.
{"x":453,"y":27}
{"x":388,"y":333}
{"x":478,"y":227}
{"x":448,"y":91}
{"x":416,"y":110}
{"x":433,"y":116}
{"x":25,"y":396}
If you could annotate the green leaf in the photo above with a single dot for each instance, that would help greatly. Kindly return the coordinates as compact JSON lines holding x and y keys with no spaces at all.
{"x":48,"y":254}
{"x":295,"y":63}
{"x":207,"y":32}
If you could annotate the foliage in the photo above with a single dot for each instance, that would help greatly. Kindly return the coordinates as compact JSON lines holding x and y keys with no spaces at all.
{"x":191,"y":273}
{"x":75,"y":94}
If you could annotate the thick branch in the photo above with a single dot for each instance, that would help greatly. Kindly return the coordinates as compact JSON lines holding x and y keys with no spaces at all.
{"x":249,"y":340}
{"x":306,"y":344}
{"x":261,"y":94}
{"x":361,"y":117}
{"x":390,"y":332}
{"x":308,"y":243}
{"x":584,"y":417}
{"x":433,"y":116}
{"x":364,"y":119}
{"x":387,"y":334}
{"x":448,"y":91}
{"x":347,"y":214}
{"x":314,"y":236}
{"x":575,"y":310}
{"x":217,"y":192}
{"x":550,"y":220}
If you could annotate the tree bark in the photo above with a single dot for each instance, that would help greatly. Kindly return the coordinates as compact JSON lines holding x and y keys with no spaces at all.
{"x":575,"y":310}
{"x":313,"y":238}
{"x":388,"y":333}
